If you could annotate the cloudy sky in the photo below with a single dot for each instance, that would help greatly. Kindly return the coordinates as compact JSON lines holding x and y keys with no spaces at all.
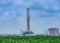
{"x":44,"y":14}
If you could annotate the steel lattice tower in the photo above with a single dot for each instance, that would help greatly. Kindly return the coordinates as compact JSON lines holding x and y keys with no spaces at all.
{"x":28,"y":32}
{"x":28,"y":20}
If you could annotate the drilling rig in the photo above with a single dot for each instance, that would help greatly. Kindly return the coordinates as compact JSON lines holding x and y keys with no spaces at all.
{"x":28,"y":32}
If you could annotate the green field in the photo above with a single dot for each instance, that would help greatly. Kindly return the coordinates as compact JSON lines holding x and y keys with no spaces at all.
{"x":29,"y":39}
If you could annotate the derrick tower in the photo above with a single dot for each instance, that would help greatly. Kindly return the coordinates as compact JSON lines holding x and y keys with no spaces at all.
{"x":28,"y":32}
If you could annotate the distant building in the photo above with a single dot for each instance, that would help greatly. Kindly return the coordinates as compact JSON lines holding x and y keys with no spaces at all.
{"x":53,"y":31}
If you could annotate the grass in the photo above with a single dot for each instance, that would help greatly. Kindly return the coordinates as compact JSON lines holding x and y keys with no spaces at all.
{"x":29,"y":39}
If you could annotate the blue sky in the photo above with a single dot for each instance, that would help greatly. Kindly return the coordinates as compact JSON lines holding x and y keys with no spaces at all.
{"x":44,"y":14}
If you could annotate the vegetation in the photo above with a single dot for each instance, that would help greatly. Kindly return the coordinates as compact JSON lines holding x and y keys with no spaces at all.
{"x":29,"y":39}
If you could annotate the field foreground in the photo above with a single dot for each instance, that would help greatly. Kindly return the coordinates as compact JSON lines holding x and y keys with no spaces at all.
{"x":29,"y":39}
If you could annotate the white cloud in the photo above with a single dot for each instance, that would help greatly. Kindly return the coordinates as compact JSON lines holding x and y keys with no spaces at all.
{"x":18,"y":2}
{"x":23,"y":3}
{"x":5,"y":2}
{"x":48,"y":4}
{"x":56,"y":7}
{"x":8,"y":15}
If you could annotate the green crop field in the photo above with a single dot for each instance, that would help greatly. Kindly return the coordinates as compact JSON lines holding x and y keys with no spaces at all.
{"x":29,"y":39}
